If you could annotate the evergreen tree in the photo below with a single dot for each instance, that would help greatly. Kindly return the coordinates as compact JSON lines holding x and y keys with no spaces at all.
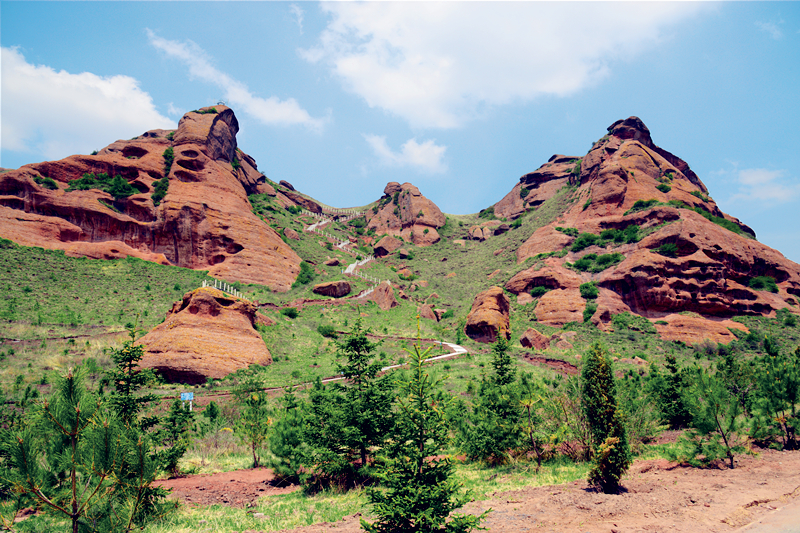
{"x":717,"y":430}
{"x":253,"y":424}
{"x":347,"y":421}
{"x":609,"y":438}
{"x":777,"y":395}
{"x":174,"y":436}
{"x":494,"y":427}
{"x":286,"y":440}
{"x":128,"y":379}
{"x":75,"y":459}
{"x":420,"y":493}
{"x":670,"y":391}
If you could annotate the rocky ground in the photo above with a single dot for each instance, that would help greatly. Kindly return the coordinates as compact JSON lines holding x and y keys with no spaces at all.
{"x":659,"y":496}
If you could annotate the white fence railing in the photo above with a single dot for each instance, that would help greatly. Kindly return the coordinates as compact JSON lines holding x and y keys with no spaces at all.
{"x":224,"y":287}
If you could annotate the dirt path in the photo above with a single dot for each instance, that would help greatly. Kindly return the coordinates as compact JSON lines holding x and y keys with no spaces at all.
{"x":761,"y":495}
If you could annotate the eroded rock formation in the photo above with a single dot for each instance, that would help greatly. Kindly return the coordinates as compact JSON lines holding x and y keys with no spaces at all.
{"x":204,"y":221}
{"x":207,"y":335}
{"x":685,"y":254}
{"x":404,"y":212}
{"x":489,"y":319}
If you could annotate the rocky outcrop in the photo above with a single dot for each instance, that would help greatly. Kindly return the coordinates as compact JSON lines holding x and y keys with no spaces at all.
{"x":404,"y":212}
{"x":426,"y":311}
{"x":205,"y":336}
{"x":204,"y":221}
{"x":535,"y":340}
{"x":383,"y":295}
{"x":688,"y":260}
{"x":535,"y":188}
{"x":334,"y":289}
{"x":385,"y":246}
{"x":696,"y":329}
{"x":489,"y":317}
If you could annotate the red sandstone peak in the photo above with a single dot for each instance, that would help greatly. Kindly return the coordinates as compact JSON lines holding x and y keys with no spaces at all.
{"x":626,"y":180}
{"x":404,"y":212}
{"x":204,"y":221}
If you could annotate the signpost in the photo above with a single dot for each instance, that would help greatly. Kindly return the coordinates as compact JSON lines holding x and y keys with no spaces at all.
{"x":187,"y":397}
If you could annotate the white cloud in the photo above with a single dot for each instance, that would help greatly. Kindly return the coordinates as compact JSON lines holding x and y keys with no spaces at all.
{"x":437,"y":64}
{"x":270,"y":111}
{"x":174,"y":111}
{"x":426,"y":157}
{"x":298,"y":13}
{"x":771,"y":28}
{"x":57,"y":114}
{"x":762,"y":185}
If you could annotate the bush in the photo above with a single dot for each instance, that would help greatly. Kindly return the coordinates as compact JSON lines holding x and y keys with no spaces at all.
{"x":448,"y":314}
{"x":116,"y":186}
{"x":235,"y":163}
{"x":305,"y":276}
{"x":606,"y":422}
{"x":294,"y":209}
{"x":523,"y":192}
{"x":663,"y":187}
{"x":589,"y":290}
{"x":169,"y":159}
{"x":668,"y":249}
{"x":47,"y":183}
{"x":763,"y":283}
{"x":539,"y":291}
{"x":487,"y":213}
{"x":588,"y":311}
{"x":584,"y":240}
{"x":628,"y":321}
{"x":326,"y":330}
{"x":572,"y":232}
{"x":291,"y":312}
{"x":642,"y":205}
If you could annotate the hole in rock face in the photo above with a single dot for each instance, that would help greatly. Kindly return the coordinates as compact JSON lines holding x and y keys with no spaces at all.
{"x":190,"y":153}
{"x":217,"y":259}
{"x":186,"y":177}
{"x":134,"y":151}
{"x":234,"y":248}
{"x":193,"y":309}
{"x":191,"y":164}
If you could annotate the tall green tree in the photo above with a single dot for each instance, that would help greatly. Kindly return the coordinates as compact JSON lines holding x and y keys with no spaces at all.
{"x":494,"y":428}
{"x":174,"y":435}
{"x":777,"y":395}
{"x":670,"y":390}
{"x":420,"y":494}
{"x":611,"y":453}
{"x":128,"y":379}
{"x":717,"y":429}
{"x":254,"y":422}
{"x":74,"y":458}
{"x":286,"y":443}
{"x":347,"y":421}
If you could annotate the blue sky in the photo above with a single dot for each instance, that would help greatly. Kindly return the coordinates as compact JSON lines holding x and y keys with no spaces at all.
{"x":460,"y":99}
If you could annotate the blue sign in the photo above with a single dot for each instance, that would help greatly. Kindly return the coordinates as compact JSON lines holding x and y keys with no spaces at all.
{"x":187,"y":396}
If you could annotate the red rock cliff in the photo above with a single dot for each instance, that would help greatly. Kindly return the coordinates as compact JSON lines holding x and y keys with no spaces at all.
{"x":204,"y":222}
{"x":706,"y":269}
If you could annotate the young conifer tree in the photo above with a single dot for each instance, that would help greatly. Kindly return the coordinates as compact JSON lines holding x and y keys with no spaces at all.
{"x":73,"y":458}
{"x":347,"y":421}
{"x":609,"y":439}
{"x":495,"y":425}
{"x":421,"y":493}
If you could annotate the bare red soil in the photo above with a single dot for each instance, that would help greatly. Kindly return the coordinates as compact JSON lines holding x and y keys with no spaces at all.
{"x":659,"y":496}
